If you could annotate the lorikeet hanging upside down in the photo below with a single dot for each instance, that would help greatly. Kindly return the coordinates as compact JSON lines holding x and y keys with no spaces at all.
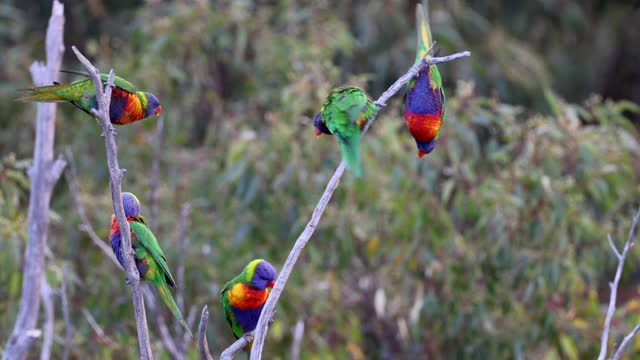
{"x":127,"y":104}
{"x":150,"y":260}
{"x":344,"y":114}
{"x":243,"y":297}
{"x":424,"y":102}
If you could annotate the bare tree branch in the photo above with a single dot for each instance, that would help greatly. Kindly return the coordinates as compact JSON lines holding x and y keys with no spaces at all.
{"x":203,"y":346}
{"x":94,"y":325}
{"x":298,"y":333}
{"x":68,"y":327}
{"x":71,"y":176}
{"x":267,"y":311}
{"x":115,"y":178}
{"x":155,"y":175}
{"x":43,"y":175}
{"x":182,"y":249}
{"x":49,"y":318}
{"x":625,"y":341}
{"x":186,"y":338}
{"x":614,"y":290}
{"x":237,"y":346}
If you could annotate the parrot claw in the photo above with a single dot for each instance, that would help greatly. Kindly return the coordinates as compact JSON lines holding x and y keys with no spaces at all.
{"x":127,"y":281}
{"x":379,"y":104}
{"x":249,"y":336}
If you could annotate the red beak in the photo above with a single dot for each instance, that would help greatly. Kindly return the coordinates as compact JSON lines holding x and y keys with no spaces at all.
{"x":270,"y":284}
{"x":420,"y":154}
{"x":158,"y":110}
{"x":318,"y":132}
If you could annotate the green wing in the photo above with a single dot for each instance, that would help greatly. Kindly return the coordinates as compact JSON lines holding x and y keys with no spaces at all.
{"x":120,"y":83}
{"x":346,"y":111}
{"x":117,"y":81}
{"x":150,"y":243}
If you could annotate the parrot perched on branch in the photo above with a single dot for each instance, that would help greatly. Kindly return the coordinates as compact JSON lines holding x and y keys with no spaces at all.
{"x":127,"y":104}
{"x":243,"y":297}
{"x":344,"y":114}
{"x":149,"y":258}
{"x":424,"y":103}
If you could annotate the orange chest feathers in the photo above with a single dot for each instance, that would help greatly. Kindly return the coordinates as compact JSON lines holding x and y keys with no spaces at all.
{"x":423,"y":127}
{"x":243,"y":297}
{"x":125,"y":107}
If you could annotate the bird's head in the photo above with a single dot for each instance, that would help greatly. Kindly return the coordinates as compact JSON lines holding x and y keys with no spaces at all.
{"x":321,"y":128}
{"x":260,"y":274}
{"x":153,"y":105}
{"x":131,"y":204}
{"x":426,"y":147}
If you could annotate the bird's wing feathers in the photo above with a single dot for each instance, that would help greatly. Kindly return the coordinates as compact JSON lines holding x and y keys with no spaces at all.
{"x":150,"y":243}
{"x":117,"y":81}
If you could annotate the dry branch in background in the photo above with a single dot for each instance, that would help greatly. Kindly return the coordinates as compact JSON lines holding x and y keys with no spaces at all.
{"x":115,"y":177}
{"x":614,"y":290}
{"x":298,"y":334}
{"x":155,"y":176}
{"x":43,"y":175}
{"x":49,"y":320}
{"x":182,"y":250}
{"x":203,"y":346}
{"x":68,"y":327}
{"x":269,"y":307}
{"x":71,"y":176}
{"x":96,"y":328}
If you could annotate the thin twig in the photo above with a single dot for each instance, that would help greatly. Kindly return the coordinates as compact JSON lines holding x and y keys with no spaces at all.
{"x":202,"y":335}
{"x":614,"y":289}
{"x":92,"y":321}
{"x":49,"y":320}
{"x":115,"y":178}
{"x":43,"y":175}
{"x":237,"y":346}
{"x":182,"y":249}
{"x":186,"y":338}
{"x":85,"y":226}
{"x":155,"y":174}
{"x":298,"y":334}
{"x":68,"y":327}
{"x":625,"y":341}
{"x":267,"y":311}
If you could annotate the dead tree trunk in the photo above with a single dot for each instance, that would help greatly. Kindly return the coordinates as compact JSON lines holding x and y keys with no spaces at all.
{"x":43,"y":175}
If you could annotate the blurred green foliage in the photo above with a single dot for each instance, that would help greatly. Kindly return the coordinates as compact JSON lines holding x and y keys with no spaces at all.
{"x":493,"y":246}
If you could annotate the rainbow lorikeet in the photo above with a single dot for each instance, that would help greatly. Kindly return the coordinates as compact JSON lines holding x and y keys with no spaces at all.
{"x":150,"y":260}
{"x":127,"y":104}
{"x":424,"y":103}
{"x":344,"y":114}
{"x":243,"y":297}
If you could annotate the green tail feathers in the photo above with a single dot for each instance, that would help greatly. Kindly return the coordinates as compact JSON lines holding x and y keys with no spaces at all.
{"x":167,"y":298}
{"x":44,"y":93}
{"x":351,"y":154}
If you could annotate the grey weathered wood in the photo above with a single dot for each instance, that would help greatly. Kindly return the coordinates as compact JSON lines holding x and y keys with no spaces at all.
{"x":43,"y":175}
{"x":203,"y":346}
